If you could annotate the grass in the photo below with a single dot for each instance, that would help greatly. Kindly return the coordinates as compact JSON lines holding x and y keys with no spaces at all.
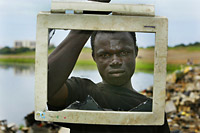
{"x":141,"y":65}
{"x":87,"y":50}
{"x":193,"y":49}
{"x":173,"y":67}
{"x":90,"y":64}
{"x":147,"y":66}
{"x":188,"y":48}
{"x":50,"y":51}
{"x":85,"y":63}
{"x":17,"y":60}
{"x":26,"y":53}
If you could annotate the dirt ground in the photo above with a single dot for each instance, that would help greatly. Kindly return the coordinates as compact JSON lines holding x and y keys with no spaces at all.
{"x":180,"y":56}
{"x":174,"y":56}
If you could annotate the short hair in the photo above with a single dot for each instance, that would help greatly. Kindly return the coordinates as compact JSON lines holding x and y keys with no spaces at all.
{"x":93,"y":36}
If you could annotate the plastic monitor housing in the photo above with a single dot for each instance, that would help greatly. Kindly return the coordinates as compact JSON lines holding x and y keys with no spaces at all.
{"x":142,"y":20}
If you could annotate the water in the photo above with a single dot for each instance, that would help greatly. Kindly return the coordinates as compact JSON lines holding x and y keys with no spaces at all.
{"x":17,"y":89}
{"x":140,"y":80}
{"x":16,"y":92}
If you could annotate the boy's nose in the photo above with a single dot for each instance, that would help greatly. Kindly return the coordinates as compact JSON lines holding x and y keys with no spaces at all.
{"x":116,"y":61}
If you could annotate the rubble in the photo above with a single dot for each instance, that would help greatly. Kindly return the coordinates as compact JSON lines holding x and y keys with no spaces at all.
{"x":7,"y":128}
{"x":34,"y":126}
{"x":183,"y":100}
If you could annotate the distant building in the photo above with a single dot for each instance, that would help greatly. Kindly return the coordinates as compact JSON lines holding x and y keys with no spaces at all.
{"x":25,"y":43}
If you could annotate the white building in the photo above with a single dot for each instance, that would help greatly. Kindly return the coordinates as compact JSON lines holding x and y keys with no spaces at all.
{"x":25,"y":43}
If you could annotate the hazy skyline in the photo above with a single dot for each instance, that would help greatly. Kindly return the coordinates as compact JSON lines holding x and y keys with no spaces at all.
{"x":18,"y":19}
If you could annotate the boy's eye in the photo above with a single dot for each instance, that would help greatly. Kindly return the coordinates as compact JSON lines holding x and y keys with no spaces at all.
{"x":105,"y":55}
{"x":123,"y":53}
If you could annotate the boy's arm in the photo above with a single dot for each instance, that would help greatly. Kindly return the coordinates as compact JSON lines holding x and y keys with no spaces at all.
{"x":61,"y":63}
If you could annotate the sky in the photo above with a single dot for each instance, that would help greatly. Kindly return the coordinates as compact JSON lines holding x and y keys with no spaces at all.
{"x":18,"y":20}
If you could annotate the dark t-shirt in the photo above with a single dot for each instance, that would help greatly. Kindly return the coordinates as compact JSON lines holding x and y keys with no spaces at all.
{"x":109,"y":98}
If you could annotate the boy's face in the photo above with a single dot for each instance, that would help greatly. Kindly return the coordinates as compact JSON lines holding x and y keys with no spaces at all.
{"x":115,"y":56}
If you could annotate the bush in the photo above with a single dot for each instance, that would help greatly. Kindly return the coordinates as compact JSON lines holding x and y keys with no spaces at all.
{"x":7,"y":50}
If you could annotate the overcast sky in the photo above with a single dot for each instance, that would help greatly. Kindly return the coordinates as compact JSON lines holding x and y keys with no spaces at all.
{"x":18,"y":20}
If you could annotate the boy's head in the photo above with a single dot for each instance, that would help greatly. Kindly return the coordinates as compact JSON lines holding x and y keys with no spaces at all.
{"x":114,"y":54}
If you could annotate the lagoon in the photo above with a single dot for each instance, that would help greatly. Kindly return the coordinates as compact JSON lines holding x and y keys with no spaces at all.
{"x":17,"y":88}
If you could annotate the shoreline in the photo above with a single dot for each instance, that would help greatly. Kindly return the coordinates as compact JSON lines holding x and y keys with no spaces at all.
{"x":177,"y":58}
{"x":90,"y":64}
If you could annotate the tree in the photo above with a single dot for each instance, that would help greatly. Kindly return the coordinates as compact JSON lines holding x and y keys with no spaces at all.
{"x":5,"y":50}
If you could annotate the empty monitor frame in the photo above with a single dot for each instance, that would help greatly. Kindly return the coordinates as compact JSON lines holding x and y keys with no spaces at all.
{"x":147,"y":24}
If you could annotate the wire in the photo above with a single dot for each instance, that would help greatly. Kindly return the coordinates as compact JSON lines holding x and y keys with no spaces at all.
{"x":51,"y":35}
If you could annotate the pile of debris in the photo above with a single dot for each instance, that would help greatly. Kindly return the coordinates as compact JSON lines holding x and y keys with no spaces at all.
{"x":7,"y":128}
{"x":34,"y":126}
{"x":183,"y":100}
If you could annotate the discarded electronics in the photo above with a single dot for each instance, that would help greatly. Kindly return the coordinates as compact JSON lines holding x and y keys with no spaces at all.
{"x":183,"y":100}
{"x":34,"y":126}
{"x":132,"y":18}
{"x":7,"y":128}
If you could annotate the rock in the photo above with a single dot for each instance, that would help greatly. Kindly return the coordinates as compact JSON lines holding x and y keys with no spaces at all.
{"x":170,"y":107}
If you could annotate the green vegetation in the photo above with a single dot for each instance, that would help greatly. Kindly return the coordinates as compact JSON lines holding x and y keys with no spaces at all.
{"x":90,"y":64}
{"x":27,"y":53}
{"x":172,"y":67}
{"x":150,"y":47}
{"x":27,"y":56}
{"x":20,"y":51}
{"x":141,"y":65}
{"x":17,"y":60}
{"x":21,"y":126}
{"x":85,"y":64}
{"x":147,"y":66}
{"x":189,"y":47}
{"x":193,"y":48}
{"x":7,"y":50}
{"x":87,"y":50}
{"x":196,"y":44}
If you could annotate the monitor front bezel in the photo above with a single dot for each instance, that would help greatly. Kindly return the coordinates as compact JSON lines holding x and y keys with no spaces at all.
{"x":147,"y":24}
